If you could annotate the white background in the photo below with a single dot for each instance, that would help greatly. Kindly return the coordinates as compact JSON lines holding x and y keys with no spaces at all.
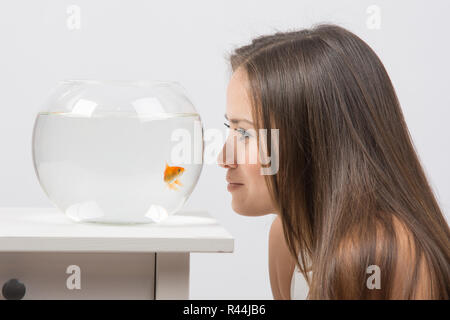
{"x":187,"y":41}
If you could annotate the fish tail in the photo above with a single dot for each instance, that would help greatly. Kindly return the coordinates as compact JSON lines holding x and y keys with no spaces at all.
{"x":172,"y":186}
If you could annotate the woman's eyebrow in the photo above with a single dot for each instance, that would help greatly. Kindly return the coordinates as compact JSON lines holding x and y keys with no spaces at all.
{"x":238,"y":120}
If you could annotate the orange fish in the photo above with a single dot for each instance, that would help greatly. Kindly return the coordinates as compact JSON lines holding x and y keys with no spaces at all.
{"x":171,"y":175}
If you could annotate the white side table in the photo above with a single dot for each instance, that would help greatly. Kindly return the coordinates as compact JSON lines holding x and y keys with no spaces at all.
{"x":53,"y":257}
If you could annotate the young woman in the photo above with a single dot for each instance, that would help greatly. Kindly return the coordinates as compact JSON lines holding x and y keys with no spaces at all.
{"x":351,"y":199}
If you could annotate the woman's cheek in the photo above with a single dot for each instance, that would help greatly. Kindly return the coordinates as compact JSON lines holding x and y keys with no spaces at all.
{"x":252,"y":161}
{"x":252,"y":156}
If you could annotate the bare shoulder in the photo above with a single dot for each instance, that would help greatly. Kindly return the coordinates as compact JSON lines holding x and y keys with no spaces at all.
{"x":281,"y":262}
{"x":405,"y":256}
{"x":408,"y":256}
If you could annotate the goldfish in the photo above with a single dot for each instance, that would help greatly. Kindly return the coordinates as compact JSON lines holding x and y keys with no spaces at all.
{"x":171,"y":175}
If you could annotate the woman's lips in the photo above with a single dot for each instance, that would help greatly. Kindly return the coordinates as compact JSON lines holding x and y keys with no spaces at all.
{"x":233,"y":186}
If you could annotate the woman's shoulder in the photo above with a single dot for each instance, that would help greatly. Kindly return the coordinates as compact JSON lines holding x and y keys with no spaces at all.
{"x":281,"y":262}
{"x":394,"y":242}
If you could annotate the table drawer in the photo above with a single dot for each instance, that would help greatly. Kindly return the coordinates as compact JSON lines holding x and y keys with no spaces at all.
{"x":73,"y":275}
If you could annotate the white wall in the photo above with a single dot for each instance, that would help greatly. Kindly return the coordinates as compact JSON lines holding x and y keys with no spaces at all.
{"x":186,"y":41}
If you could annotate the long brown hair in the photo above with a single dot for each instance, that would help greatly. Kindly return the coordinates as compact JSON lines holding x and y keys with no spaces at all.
{"x":348,"y":170}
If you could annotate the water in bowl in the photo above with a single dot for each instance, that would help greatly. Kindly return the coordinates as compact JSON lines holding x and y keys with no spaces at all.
{"x":110,"y":168}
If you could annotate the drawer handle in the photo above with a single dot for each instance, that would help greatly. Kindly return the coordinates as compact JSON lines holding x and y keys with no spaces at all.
{"x":13,"y":289}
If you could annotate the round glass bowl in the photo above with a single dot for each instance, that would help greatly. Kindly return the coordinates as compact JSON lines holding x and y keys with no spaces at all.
{"x":118,"y":151}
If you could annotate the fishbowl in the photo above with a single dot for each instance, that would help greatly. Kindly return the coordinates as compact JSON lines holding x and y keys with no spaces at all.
{"x":118,"y":152}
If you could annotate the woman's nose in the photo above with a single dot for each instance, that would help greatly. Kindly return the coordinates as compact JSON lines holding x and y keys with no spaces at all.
{"x":227,"y":159}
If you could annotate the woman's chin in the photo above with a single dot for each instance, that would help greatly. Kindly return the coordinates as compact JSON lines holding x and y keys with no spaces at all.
{"x":248,"y":212}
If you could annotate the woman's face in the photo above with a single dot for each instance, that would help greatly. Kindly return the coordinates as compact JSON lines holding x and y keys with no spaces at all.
{"x":250,"y":196}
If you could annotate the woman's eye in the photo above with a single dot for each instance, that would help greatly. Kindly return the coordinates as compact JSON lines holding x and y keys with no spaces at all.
{"x":244,"y":134}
